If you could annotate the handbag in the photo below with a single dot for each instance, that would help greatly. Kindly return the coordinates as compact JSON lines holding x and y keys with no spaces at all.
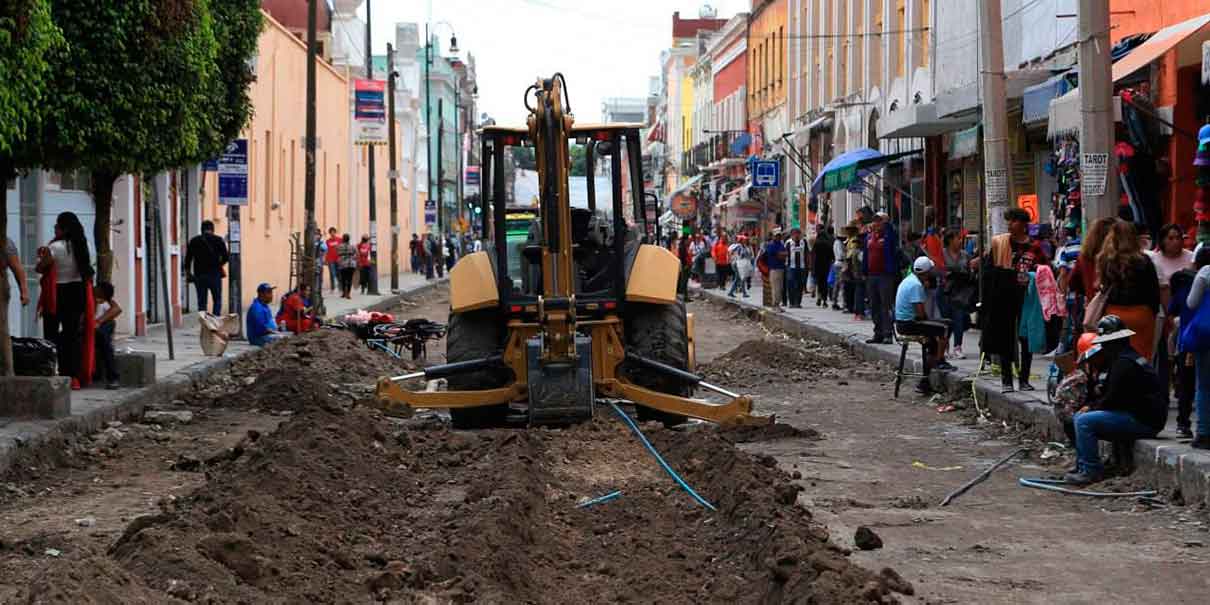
{"x":1095,"y":309}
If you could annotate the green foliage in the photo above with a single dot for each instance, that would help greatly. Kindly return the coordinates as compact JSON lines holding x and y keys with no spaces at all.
{"x":27,"y":38}
{"x":237,"y":28}
{"x":131,"y":88}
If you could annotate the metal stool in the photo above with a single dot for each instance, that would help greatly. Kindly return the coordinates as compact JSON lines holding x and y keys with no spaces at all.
{"x":905,"y":341}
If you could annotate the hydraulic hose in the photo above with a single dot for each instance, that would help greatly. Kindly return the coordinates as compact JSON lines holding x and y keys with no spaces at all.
{"x":651,"y":448}
{"x":1056,"y":485}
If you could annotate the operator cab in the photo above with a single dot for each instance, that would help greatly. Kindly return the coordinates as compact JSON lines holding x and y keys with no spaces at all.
{"x":605,"y":193}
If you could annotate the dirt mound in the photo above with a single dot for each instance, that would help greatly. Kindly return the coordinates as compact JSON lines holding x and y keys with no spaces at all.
{"x":766,"y":432}
{"x":347,"y":506}
{"x":302,"y":367}
{"x":758,"y":362}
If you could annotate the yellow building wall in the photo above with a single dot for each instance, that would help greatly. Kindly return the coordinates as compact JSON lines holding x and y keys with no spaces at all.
{"x":277,"y":164}
{"x":767,"y":59}
{"x":687,"y":109}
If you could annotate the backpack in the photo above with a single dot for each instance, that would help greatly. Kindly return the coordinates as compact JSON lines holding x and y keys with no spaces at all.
{"x":1195,"y":337}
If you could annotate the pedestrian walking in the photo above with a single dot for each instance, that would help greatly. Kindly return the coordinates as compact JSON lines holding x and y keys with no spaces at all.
{"x":205,"y":260}
{"x":332,"y":258}
{"x":821,"y":265}
{"x":882,"y":272}
{"x":414,"y":252}
{"x":836,"y":288}
{"x":364,"y":264}
{"x":347,"y":262}
{"x":775,"y":259}
{"x":959,"y":288}
{"x":741,"y":264}
{"x":855,"y":277}
{"x":451,"y":252}
{"x":722,"y":260}
{"x":67,"y":305}
{"x":797,"y":257}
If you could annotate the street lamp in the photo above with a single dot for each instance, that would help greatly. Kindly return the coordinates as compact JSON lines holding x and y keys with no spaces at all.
{"x":428,"y":107}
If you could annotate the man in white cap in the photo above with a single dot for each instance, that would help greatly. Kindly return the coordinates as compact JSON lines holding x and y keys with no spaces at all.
{"x":911,"y":319}
{"x":1125,"y":405}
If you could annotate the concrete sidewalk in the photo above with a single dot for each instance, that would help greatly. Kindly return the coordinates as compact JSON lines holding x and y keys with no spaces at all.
{"x":91,"y":408}
{"x":1166,"y":459}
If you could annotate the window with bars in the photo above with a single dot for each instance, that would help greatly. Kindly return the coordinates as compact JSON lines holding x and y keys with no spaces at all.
{"x":76,"y":180}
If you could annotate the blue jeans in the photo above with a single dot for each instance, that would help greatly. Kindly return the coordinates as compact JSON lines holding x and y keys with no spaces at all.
{"x":1201,"y":398}
{"x":882,"y":299}
{"x":1110,"y":426}
{"x":738,"y":283}
{"x":212,"y":285}
{"x":260,"y":341}
{"x":957,"y":315}
{"x":796,"y":280}
{"x":333,"y":274}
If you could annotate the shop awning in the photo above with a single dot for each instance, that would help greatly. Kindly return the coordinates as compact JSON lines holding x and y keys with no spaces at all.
{"x":1064,"y":115}
{"x":849,"y":168}
{"x":1163,"y":41}
{"x":918,"y":121}
{"x":685,"y":187}
{"x":1037,"y":98}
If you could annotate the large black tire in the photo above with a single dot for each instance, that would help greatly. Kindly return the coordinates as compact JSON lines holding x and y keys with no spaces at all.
{"x":661,"y":333}
{"x":475,"y":335}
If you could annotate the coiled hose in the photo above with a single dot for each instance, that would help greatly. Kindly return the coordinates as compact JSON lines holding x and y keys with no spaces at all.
{"x":667,"y":469}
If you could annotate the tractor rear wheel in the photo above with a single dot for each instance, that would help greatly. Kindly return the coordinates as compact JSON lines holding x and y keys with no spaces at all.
{"x":475,"y":335}
{"x":661,"y":333}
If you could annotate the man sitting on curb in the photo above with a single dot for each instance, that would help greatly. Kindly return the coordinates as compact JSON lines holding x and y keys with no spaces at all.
{"x":1124,"y":405}
{"x":912,"y":320}
{"x":261,"y":327}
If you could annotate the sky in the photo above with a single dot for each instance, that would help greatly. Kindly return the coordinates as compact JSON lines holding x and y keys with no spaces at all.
{"x":607,"y":48}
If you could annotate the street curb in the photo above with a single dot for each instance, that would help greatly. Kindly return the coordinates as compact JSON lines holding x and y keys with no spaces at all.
{"x":1165,"y":461}
{"x":132,"y":405}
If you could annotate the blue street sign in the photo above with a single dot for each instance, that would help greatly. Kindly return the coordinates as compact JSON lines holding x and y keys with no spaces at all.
{"x":766,"y":173}
{"x":233,"y":174}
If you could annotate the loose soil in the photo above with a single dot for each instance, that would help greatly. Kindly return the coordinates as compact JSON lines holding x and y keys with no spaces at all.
{"x":761,"y":362}
{"x":342,"y":504}
{"x":997,"y":544}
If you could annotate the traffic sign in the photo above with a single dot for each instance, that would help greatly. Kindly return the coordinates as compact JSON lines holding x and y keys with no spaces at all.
{"x":233,"y":174}
{"x":766,"y":173}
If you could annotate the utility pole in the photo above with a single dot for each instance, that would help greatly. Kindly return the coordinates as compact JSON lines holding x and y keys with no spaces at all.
{"x":373,"y":180}
{"x":1098,"y":165}
{"x":996,"y":183}
{"x":459,"y":141}
{"x":440,"y":171}
{"x":308,"y":272}
{"x":394,"y":174}
{"x":428,"y":122}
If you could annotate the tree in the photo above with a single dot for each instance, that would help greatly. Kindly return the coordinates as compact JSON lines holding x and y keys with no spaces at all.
{"x":132,"y":93}
{"x":237,"y":28}
{"x":27,"y":38}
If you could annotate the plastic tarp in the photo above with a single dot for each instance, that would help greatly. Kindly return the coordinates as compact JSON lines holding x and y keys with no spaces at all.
{"x":1036,"y":100}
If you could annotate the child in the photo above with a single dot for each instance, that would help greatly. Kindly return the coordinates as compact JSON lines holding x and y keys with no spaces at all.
{"x":107,"y":310}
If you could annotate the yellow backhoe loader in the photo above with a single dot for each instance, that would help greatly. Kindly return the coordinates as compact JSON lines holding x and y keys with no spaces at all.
{"x":579,"y":308}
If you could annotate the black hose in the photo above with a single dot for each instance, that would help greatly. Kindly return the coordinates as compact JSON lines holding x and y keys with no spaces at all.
{"x":525,"y":99}
{"x":566,"y":98}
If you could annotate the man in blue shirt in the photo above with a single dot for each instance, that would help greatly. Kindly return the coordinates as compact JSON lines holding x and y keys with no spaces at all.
{"x":261,"y":327}
{"x":775,"y":259}
{"x":912,"y":320}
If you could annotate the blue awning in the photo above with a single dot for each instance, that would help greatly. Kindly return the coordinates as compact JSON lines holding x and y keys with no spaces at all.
{"x":1036,"y":99}
{"x":847,"y":170}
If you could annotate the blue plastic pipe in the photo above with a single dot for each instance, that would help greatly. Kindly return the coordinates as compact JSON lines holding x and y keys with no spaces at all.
{"x":667,"y":469}
{"x":1056,"y":485}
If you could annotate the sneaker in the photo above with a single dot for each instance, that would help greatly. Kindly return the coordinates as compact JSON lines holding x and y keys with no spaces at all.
{"x":957,"y":353}
{"x":1025,"y":386}
{"x":1082,"y":478}
{"x":1202,"y":442}
{"x":875,"y":341}
{"x":946,"y":366}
